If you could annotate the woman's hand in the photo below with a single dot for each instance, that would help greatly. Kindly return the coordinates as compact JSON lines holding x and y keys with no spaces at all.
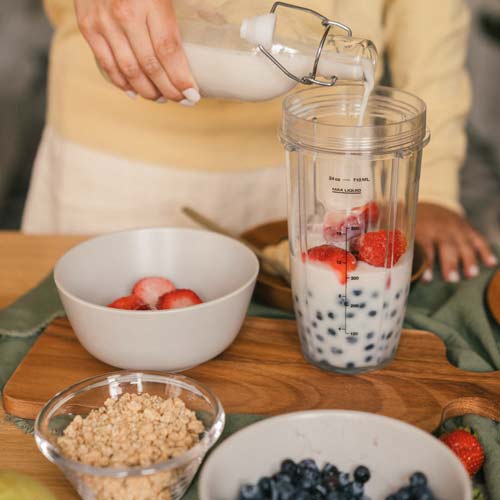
{"x":137,"y":43}
{"x":449,"y":237}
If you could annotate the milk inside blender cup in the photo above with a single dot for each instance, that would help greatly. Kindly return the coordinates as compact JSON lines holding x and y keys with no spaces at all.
{"x":352,"y":193}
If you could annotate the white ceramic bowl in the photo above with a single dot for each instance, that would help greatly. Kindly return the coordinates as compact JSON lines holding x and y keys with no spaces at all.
{"x":392,"y":449}
{"x":220,"y":269}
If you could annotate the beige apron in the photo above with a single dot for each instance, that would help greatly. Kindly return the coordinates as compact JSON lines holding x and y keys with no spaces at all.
{"x":78,"y":190}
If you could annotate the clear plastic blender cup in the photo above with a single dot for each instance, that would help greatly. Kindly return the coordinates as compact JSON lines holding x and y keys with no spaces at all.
{"x":352,"y":196}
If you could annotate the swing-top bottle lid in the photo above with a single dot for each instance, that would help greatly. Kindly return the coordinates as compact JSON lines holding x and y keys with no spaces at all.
{"x":259,"y":30}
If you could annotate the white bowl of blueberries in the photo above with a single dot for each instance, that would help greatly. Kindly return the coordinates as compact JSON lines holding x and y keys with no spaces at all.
{"x":333,"y":455}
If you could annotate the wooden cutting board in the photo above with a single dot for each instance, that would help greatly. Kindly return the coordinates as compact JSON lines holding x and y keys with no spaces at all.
{"x":264,"y":372}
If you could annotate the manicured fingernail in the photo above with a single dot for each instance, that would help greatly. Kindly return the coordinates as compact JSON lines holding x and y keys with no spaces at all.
{"x":161,"y":100}
{"x":187,"y":102}
{"x":492,"y":260}
{"x":473,"y":271}
{"x":131,"y":94}
{"x":453,"y":277}
{"x":192,"y":95}
{"x":428,"y":275}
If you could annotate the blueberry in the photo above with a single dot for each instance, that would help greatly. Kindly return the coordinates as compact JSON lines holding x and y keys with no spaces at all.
{"x":302,"y":495}
{"x":320,"y":337}
{"x":250,"y":492}
{"x":352,"y":340}
{"x":329,"y":470}
{"x":331,"y":331}
{"x":308,"y":463}
{"x":357,"y":292}
{"x":362,"y":474}
{"x":369,"y":347}
{"x":368,"y":359}
{"x":281,"y":477}
{"x":393,"y":313}
{"x":350,"y":365}
{"x":314,"y":324}
{"x":398,"y":295}
{"x":336,"y":350}
{"x":370,"y":335}
{"x":343,"y":479}
{"x":424,"y":493}
{"x":362,"y":305}
{"x":372,"y":313}
{"x":404,"y":494}
{"x":286,"y":491}
{"x":354,"y":490}
{"x":350,"y":315}
{"x":331,"y":315}
{"x":321,"y":489}
{"x":319,"y":350}
{"x":319,"y":316}
{"x":305,"y":483}
{"x":418,"y":479}
{"x":334,"y":495}
{"x":288,"y":467}
{"x":265,"y":486}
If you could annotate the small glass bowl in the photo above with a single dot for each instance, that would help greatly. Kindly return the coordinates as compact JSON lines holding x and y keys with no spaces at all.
{"x":172,"y":476}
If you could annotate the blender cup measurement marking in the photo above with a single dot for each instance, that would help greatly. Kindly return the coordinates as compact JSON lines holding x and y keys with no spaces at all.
{"x":352,"y":229}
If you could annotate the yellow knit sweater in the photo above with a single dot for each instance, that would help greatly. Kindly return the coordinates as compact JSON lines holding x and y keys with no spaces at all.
{"x":425,"y":41}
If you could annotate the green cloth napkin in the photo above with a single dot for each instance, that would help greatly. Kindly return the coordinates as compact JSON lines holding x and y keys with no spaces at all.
{"x":33,"y":311}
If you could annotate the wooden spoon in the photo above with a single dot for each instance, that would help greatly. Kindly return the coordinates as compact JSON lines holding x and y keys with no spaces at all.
{"x":277,"y":266}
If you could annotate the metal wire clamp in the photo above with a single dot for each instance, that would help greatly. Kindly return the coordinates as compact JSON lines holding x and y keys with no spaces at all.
{"x":328,"y":24}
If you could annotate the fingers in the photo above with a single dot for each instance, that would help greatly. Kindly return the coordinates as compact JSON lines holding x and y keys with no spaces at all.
{"x":140,"y":41}
{"x":468,"y":257}
{"x":167,"y":46}
{"x":428,"y":246}
{"x":482,"y":248}
{"x":138,"y":45}
{"x":126,"y":58}
{"x":107,"y":62}
{"x":448,"y":260}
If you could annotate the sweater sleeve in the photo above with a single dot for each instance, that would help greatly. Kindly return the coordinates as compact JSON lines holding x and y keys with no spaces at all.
{"x":426,"y":49}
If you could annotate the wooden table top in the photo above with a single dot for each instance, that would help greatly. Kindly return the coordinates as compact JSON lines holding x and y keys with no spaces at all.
{"x":25,"y":260}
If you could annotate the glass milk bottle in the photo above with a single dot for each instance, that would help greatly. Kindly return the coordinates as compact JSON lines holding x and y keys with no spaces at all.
{"x":244,"y":50}
{"x":352,"y":195}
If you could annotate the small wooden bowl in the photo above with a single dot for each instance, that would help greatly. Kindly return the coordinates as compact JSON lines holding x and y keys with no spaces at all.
{"x":272,"y":290}
{"x":492,"y":296}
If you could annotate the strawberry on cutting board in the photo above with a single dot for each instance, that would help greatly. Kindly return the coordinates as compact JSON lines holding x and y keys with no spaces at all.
{"x":467,"y":448}
{"x":340,"y":261}
{"x":149,"y":290}
{"x":178,"y":299}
